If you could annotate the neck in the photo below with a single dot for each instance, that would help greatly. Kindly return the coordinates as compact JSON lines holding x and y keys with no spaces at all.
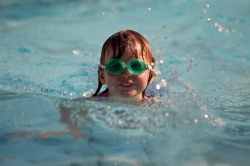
{"x":131,"y":100}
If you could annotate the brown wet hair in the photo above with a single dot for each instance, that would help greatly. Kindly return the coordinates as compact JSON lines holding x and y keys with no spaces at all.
{"x":117,"y":43}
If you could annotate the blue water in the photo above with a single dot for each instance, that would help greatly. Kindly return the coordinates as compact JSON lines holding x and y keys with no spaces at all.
{"x":49,"y":52}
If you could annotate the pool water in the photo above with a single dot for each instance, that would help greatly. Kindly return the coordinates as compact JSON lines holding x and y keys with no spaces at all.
{"x":49,"y":55}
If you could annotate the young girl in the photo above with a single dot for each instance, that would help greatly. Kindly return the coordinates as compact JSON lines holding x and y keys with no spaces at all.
{"x":126,"y":67}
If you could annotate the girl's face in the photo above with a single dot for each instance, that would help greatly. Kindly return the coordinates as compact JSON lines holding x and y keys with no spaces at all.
{"x":125,"y":85}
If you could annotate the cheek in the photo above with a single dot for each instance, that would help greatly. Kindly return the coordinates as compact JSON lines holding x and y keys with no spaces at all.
{"x":143,"y":78}
{"x":109,"y":78}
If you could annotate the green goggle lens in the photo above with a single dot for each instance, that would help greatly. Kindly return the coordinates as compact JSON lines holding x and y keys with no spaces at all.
{"x":117,"y":66}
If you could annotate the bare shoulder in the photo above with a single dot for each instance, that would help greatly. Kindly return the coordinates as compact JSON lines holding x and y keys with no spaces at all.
{"x":92,"y":98}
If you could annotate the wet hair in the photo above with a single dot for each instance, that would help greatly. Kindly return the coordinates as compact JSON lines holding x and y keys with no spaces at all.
{"x":117,"y":44}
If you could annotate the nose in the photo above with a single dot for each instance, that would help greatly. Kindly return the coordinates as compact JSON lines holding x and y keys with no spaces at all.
{"x":126,"y":74}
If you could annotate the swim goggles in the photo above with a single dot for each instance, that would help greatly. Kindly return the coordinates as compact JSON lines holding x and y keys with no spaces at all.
{"x":117,"y":66}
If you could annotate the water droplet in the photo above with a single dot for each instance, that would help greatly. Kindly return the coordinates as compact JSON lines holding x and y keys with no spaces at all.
{"x":228,"y":29}
{"x":206,"y":116}
{"x":204,"y":11}
{"x":209,"y":19}
{"x":218,"y":26}
{"x":149,"y":8}
{"x":164,"y":82}
{"x":76,"y":52}
{"x":115,"y":10}
{"x":192,"y":94}
{"x":103,"y":13}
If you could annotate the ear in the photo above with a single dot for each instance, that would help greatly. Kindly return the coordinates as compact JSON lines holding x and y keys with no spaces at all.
{"x":102,"y":76}
{"x":151,"y":78}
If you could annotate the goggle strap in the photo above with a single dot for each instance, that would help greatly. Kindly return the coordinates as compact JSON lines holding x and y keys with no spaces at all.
{"x":149,"y":67}
{"x":102,"y":66}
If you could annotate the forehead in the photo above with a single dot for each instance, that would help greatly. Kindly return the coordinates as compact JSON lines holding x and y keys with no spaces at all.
{"x":130,"y":52}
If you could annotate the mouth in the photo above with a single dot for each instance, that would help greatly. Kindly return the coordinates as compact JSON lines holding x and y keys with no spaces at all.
{"x":126,"y":85}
